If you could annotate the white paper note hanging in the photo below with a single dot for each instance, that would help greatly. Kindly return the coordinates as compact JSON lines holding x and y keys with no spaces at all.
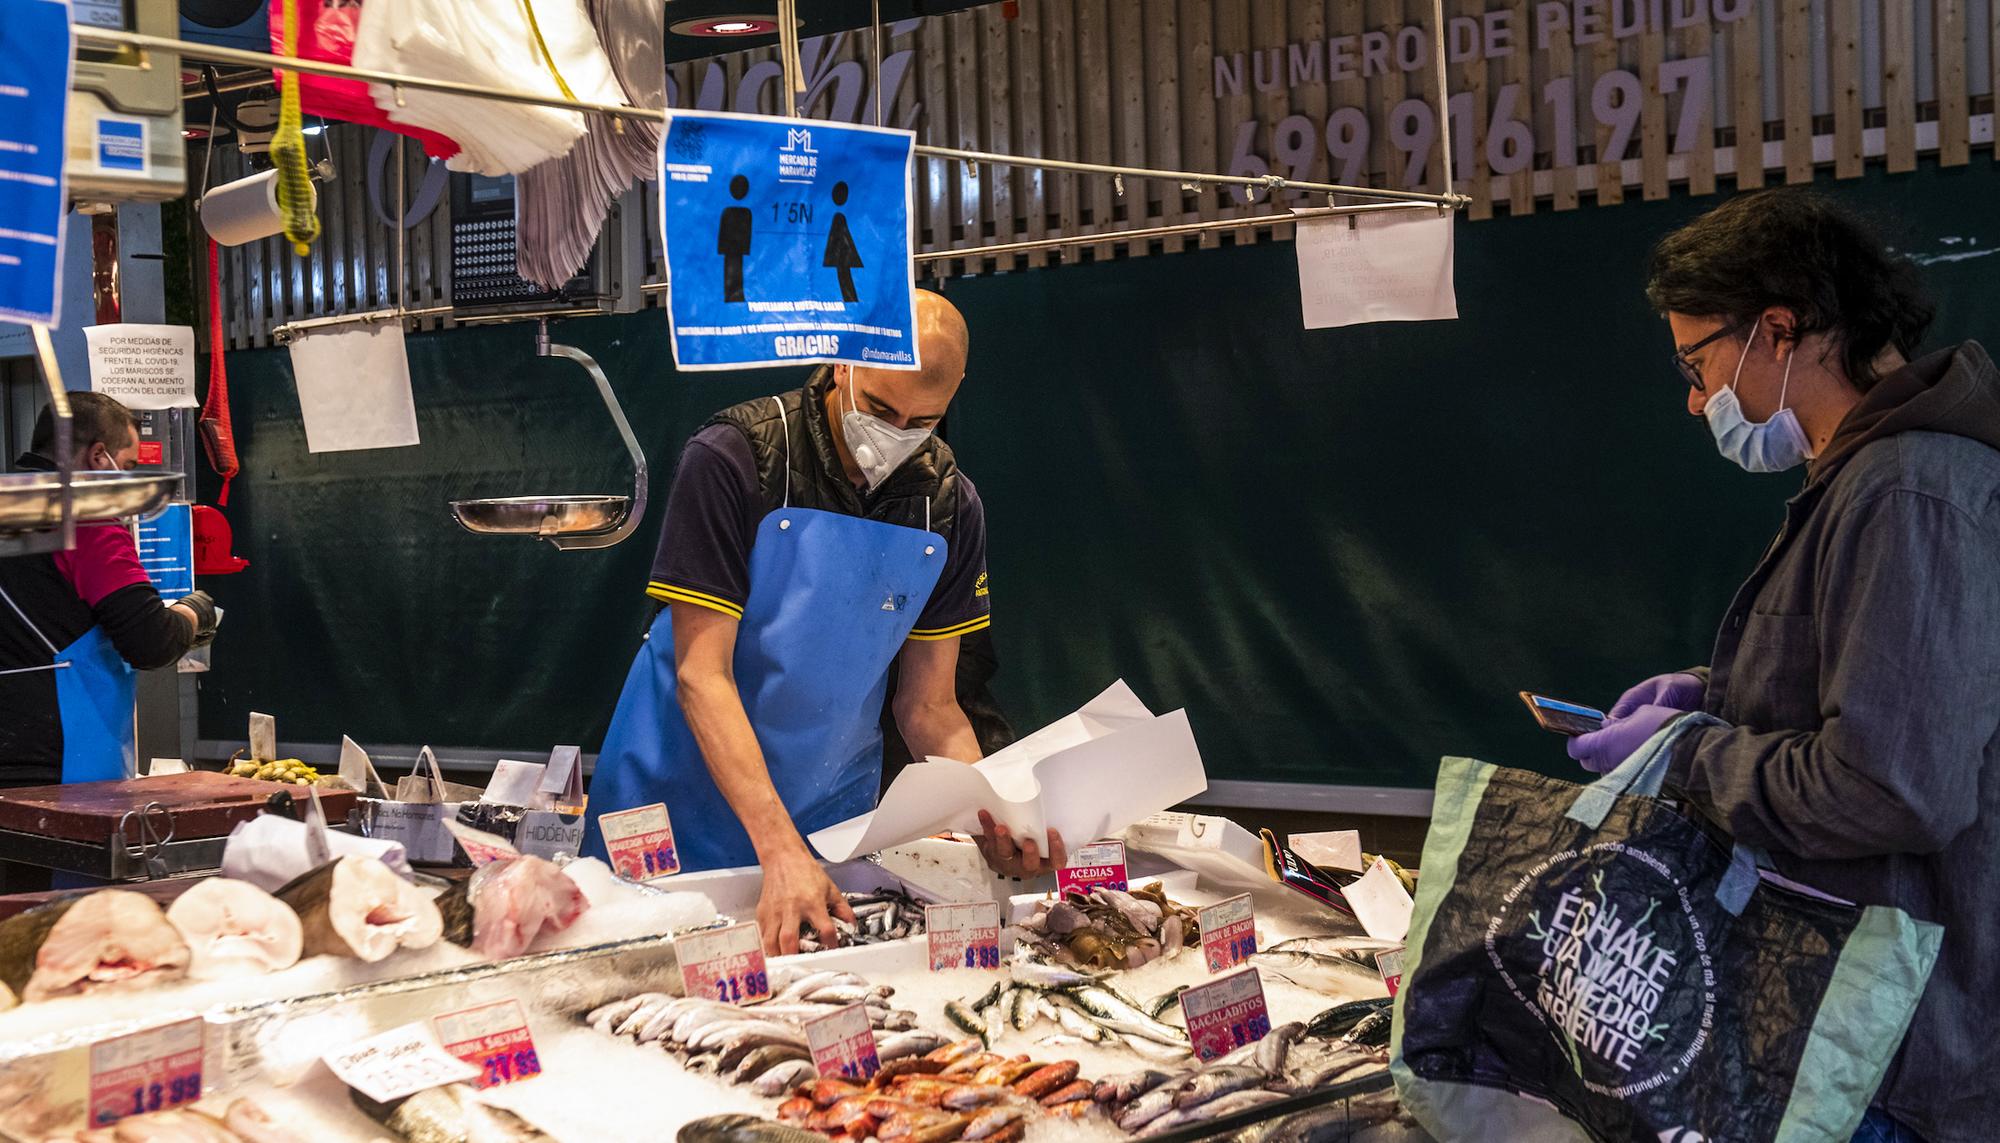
{"x":354,"y":388}
{"x":1385,"y":266}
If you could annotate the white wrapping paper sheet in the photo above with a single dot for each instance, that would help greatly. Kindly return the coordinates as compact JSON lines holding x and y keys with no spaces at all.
{"x":1087,"y":775}
{"x":269,"y":851}
{"x":354,"y":388}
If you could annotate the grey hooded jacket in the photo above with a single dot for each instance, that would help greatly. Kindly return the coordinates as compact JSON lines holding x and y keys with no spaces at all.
{"x":1859,"y":670}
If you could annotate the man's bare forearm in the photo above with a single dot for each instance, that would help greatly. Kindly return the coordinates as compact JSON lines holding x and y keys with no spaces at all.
{"x":938,"y":728}
{"x":715,"y":714}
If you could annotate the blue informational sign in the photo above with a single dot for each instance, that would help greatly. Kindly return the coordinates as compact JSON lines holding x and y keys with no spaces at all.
{"x":34,"y":103}
{"x":166,"y":550}
{"x":788,"y":241}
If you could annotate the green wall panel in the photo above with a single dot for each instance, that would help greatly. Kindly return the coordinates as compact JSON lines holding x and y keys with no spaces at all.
{"x":1343,"y":551}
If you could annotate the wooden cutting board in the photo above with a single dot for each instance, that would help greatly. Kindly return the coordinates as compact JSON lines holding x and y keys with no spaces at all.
{"x":204,"y":804}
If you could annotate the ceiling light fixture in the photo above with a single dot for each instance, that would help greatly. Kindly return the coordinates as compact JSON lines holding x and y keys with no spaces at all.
{"x":729,"y":25}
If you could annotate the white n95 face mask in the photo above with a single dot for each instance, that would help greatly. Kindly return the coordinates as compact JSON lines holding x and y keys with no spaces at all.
{"x":1775,"y":445}
{"x":879,"y":448}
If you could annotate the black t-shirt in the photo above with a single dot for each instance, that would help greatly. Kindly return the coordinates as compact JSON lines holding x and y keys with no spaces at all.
{"x":713,"y":512}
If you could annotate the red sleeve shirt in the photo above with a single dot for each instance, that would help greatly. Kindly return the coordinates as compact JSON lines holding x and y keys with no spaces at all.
{"x":105,"y":559}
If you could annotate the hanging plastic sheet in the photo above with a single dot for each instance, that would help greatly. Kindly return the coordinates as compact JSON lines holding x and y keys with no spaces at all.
{"x":560,"y":205}
{"x":546,"y":47}
{"x":326,"y":34}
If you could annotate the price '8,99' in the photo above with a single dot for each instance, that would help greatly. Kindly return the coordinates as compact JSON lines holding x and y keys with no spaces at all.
{"x":982,"y":956}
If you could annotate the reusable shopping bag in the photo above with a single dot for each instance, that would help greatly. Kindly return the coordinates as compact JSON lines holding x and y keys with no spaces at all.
{"x":1587,"y":962}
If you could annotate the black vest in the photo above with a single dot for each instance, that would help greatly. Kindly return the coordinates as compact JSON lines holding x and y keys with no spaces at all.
{"x":927,"y":482}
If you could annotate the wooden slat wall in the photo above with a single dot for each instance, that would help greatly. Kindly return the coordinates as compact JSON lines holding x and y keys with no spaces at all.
{"x":1132,"y":81}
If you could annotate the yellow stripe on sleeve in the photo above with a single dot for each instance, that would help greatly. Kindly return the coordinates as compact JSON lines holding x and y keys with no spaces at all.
{"x":953,"y":632}
{"x":668,"y":593}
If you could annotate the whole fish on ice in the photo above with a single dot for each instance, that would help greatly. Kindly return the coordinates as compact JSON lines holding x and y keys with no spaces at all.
{"x":450,"y":1114}
{"x":233,"y":928}
{"x":111,"y":938}
{"x":358,"y":907}
{"x":1327,"y":964}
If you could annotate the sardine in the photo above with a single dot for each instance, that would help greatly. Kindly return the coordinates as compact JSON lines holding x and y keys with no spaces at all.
{"x":1114,"y":1012}
{"x":1327,"y":964}
{"x":963,"y":1019}
{"x":1036,"y":974}
{"x":1020,"y":1009}
{"x":1159,"y":1005}
{"x":234,"y":928}
{"x":1154,"y":1050}
{"x":108,"y":939}
{"x":358,"y":907}
{"x":450,"y":1114}
{"x":1077,"y":1024}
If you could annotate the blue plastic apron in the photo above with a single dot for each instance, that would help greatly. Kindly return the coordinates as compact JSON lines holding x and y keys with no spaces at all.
{"x":96,"y":696}
{"x":832,"y":599}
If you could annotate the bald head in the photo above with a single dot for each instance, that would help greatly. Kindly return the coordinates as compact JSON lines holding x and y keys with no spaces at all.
{"x":942,"y":341}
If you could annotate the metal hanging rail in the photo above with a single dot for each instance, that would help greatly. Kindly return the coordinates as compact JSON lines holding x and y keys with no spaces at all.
{"x":109,"y":37}
{"x":1258,"y":220}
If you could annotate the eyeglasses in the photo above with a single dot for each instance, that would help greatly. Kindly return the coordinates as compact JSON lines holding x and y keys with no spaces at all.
{"x":1688,"y":371}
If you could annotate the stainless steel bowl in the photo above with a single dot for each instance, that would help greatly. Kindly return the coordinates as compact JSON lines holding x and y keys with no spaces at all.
{"x":542,"y":516}
{"x":33,"y":500}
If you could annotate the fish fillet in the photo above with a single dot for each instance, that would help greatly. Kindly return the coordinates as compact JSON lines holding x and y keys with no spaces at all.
{"x":512,"y":902}
{"x":112,"y":938}
{"x":358,"y":907}
{"x":253,"y":1124}
{"x":234,"y":928}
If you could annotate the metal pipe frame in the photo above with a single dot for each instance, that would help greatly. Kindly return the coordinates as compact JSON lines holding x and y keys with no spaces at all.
{"x":1260,"y":220}
{"x":216,"y":54}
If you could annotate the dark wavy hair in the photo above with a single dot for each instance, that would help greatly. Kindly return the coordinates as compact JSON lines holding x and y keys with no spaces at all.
{"x":1794,"y":248}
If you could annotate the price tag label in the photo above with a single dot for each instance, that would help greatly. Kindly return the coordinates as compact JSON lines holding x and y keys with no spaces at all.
{"x":843,"y":1044}
{"x":727,"y":964}
{"x":1228,"y":933}
{"x":1226,"y":1014}
{"x":402,"y":1061}
{"x":964,"y":936}
{"x":641,"y":842}
{"x":1099,"y":863}
{"x":145,"y":1071}
{"x":493,"y":1038}
{"x":1391,"y":965}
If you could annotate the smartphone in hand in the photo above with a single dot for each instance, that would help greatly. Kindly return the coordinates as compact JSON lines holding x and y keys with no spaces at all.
{"x":1565,"y":718}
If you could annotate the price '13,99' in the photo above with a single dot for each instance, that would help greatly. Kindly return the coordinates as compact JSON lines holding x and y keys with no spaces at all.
{"x":1616,"y":100}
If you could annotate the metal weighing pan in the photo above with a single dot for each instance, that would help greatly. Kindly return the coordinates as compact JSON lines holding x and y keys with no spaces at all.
{"x":568,"y":522}
{"x":30,"y":501}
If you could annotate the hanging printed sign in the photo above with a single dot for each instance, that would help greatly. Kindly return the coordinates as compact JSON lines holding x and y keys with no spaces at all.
{"x":787,"y":241}
{"x":146,"y":1071}
{"x":34,"y":104}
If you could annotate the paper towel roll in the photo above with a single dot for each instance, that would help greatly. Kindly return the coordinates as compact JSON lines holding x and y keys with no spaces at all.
{"x":245,"y":210}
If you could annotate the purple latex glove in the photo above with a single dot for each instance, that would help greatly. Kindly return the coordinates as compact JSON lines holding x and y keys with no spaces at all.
{"x":1601,"y":751}
{"x":1677,"y":691}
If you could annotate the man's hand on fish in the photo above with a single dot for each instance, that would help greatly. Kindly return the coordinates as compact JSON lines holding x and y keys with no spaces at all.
{"x":797,"y":891}
{"x":1023,"y":859}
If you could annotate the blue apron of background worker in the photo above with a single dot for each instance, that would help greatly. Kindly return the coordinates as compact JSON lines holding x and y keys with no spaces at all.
{"x":812,"y":541}
{"x":76,"y":625}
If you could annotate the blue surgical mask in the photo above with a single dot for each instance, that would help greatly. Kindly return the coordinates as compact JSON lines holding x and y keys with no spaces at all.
{"x":1775,"y":445}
